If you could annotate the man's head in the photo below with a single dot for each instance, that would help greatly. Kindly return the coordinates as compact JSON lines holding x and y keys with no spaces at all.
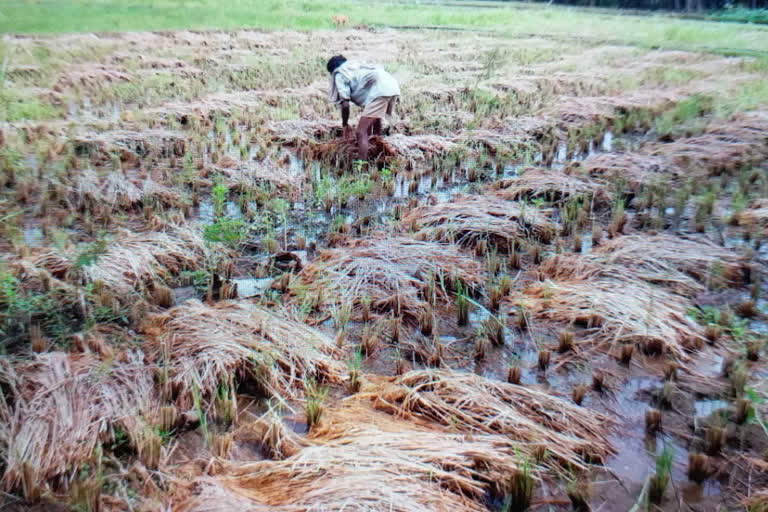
{"x":335,"y":62}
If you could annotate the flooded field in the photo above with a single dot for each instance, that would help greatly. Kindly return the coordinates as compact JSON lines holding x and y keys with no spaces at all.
{"x":543,"y":289}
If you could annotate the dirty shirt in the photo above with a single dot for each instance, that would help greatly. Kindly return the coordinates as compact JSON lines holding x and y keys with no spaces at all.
{"x":361,"y":84}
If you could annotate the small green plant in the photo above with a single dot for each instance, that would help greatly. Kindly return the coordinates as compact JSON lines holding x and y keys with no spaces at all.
{"x":660,"y":479}
{"x":227,"y":230}
{"x":219,"y":195}
{"x":519,"y":488}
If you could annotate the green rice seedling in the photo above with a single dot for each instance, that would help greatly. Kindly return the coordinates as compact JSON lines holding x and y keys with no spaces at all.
{"x":314,"y":405}
{"x":463,"y":305}
{"x":660,"y":479}
{"x":225,"y":405}
{"x":518,"y":489}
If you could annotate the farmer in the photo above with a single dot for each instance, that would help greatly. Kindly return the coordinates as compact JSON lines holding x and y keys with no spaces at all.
{"x":370,"y":88}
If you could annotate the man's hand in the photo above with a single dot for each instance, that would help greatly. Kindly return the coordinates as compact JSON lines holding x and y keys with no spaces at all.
{"x":349,"y":133}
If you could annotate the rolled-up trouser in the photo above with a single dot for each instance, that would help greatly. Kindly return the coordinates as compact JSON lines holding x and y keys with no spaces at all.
{"x":377,"y":108}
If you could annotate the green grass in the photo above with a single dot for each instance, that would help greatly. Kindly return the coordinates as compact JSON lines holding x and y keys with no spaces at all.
{"x":510,"y":18}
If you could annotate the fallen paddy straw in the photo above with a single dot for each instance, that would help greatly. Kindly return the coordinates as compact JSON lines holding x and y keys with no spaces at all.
{"x":468,"y":220}
{"x":386,"y":275}
{"x":139,"y":259}
{"x":474,"y":404}
{"x":381,"y":461}
{"x":552,"y":185}
{"x":65,"y":405}
{"x":685,"y":265}
{"x":617,"y":312}
{"x":206,"y":345}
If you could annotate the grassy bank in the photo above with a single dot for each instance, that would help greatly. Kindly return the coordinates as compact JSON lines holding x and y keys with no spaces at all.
{"x":53,"y":16}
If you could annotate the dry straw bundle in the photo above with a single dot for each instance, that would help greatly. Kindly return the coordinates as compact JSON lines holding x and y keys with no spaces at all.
{"x":394,"y":274}
{"x":474,"y":404}
{"x":204,"y":346}
{"x":618,"y":311}
{"x":685,"y":265}
{"x":553,"y":185}
{"x":636,"y":169}
{"x":136,"y":259}
{"x":468,"y":220}
{"x":724,"y":146}
{"x":64,"y":405}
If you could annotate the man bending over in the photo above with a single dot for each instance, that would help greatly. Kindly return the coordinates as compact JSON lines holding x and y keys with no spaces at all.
{"x":370,"y":88}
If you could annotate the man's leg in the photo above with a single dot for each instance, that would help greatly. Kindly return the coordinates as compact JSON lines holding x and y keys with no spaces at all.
{"x":363,"y":134}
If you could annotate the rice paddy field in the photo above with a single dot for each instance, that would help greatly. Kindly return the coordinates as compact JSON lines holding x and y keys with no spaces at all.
{"x":542,"y":291}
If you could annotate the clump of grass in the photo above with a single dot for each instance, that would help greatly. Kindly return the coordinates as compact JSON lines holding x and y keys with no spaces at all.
{"x":660,"y":479}
{"x":598,"y":381}
{"x":565,"y":341}
{"x":670,"y":371}
{"x":579,"y":491}
{"x":314,"y":406}
{"x":753,"y":348}
{"x":747,"y":309}
{"x":495,"y":295}
{"x":652,"y":420}
{"x":493,"y":327}
{"x":714,"y":439}
{"x":462,"y":306}
{"x":426,"y":322}
{"x":625,"y":354}
{"x":167,"y":418}
{"x":370,"y":339}
{"x":738,"y":376}
{"x":698,"y":467}
{"x":579,"y":392}
{"x":482,"y":345}
{"x":355,"y":382}
{"x":713,"y":332}
{"x":745,"y":410}
{"x":514,"y":374}
{"x":544,"y":358}
{"x":221,"y":444}
{"x":518,"y":489}
{"x":149,"y":446}
{"x":225,"y":405}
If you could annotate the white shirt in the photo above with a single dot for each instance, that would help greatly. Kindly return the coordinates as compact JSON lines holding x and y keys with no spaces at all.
{"x":361,"y":83}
